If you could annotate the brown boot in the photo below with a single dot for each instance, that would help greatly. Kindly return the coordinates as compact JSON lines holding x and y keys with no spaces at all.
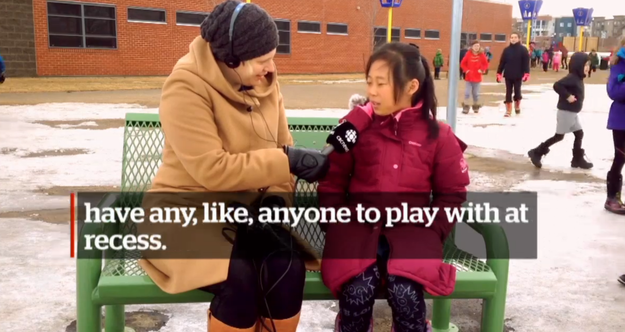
{"x":215,"y":325}
{"x":517,"y":107}
{"x":613,"y":203}
{"x":508,"y":110}
{"x":282,"y":325}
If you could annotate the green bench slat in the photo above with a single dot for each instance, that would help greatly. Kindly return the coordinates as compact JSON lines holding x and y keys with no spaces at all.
{"x":142,"y":290}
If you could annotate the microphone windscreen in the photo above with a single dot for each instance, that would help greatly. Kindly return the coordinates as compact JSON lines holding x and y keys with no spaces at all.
{"x":343,"y":137}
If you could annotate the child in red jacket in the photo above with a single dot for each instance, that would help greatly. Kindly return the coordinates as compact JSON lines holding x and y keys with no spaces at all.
{"x":404,"y":156}
{"x":474,"y":65}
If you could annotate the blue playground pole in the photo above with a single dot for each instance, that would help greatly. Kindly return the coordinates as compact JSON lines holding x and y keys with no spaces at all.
{"x":454,"y":63}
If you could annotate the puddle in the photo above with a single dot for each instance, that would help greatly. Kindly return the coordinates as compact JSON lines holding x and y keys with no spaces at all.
{"x":53,"y":153}
{"x":84,"y":124}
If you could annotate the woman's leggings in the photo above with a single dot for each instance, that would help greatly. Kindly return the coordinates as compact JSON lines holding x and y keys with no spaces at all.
{"x":619,"y":152}
{"x":247,"y":294}
{"x":404,"y":296}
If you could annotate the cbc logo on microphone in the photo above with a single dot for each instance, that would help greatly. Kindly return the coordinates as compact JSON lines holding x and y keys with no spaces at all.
{"x":351,"y":136}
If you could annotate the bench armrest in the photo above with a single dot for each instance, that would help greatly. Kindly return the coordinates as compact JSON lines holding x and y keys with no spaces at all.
{"x":497,"y":249}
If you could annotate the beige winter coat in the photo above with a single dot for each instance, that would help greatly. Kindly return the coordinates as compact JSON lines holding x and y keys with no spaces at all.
{"x":211,"y":146}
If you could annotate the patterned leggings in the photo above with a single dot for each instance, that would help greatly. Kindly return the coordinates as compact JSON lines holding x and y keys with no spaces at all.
{"x":404,"y":296}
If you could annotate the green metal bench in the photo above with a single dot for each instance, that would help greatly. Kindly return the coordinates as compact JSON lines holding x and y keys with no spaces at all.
{"x":114,"y":278}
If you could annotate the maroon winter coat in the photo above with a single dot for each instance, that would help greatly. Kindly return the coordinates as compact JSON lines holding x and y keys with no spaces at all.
{"x":394,"y":155}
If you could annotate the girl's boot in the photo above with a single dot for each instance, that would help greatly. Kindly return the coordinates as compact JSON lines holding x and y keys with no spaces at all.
{"x":517,"y":107}
{"x":465,"y":108}
{"x":536,"y":154}
{"x":613,"y":203}
{"x":476,"y":107}
{"x":579,"y":160}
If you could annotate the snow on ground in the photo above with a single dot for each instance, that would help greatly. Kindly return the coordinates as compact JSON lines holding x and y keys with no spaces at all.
{"x":573,"y":281}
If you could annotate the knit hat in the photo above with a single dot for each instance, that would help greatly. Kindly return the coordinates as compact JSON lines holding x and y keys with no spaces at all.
{"x":255,"y":32}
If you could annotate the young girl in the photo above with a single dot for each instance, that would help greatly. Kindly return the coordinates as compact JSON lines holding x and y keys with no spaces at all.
{"x":546,"y":60}
{"x":473,"y":65}
{"x":616,"y":123}
{"x":557,"y":60}
{"x":403,"y":150}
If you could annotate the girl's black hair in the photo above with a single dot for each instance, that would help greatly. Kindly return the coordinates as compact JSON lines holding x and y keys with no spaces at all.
{"x":406,"y":63}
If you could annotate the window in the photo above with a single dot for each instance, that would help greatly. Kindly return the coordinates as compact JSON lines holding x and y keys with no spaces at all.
{"x":308,"y":27}
{"x":500,"y":38}
{"x":472,"y":36}
{"x":486,"y":37}
{"x":569,"y":24}
{"x":284,"y":36}
{"x":379,"y":36}
{"x":81,"y":25}
{"x":337,"y":29}
{"x":432,"y":34}
{"x":562,"y":24}
{"x":190,"y":18}
{"x":147,"y":15}
{"x":412,"y":33}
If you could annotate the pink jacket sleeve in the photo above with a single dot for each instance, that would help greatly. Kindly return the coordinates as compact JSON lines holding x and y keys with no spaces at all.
{"x":450,"y":178}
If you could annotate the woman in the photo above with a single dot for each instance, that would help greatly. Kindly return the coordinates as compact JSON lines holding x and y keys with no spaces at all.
{"x":226,"y":131}
{"x":616,"y":123}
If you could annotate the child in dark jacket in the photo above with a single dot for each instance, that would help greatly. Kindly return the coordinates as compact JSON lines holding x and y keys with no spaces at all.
{"x":571,"y":92}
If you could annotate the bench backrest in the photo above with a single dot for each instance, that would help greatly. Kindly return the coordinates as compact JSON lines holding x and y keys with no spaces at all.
{"x":143,"y":146}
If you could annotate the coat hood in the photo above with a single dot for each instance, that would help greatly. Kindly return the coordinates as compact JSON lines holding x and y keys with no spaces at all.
{"x":577,"y":64}
{"x":201,"y":62}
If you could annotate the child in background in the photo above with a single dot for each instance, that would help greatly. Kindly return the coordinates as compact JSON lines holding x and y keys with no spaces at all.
{"x":2,"y":69}
{"x":473,"y":65}
{"x":489,"y":57}
{"x":571,"y":92}
{"x":404,"y":149}
{"x":546,"y":60}
{"x":557,"y":60}
{"x":616,"y":123}
{"x":438,"y":62}
{"x":594,"y":62}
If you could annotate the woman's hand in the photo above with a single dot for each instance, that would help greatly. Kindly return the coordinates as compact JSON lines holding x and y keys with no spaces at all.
{"x":308,"y":164}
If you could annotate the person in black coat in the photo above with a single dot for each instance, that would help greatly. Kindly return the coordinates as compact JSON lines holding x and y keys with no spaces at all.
{"x":463,"y":52}
{"x":514,"y":66}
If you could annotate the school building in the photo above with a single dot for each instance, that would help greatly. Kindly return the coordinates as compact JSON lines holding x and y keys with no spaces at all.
{"x":147,"y":37}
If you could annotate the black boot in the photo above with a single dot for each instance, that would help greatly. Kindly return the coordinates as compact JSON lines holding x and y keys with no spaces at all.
{"x":537,"y":153}
{"x":613,"y":203}
{"x":579,"y":160}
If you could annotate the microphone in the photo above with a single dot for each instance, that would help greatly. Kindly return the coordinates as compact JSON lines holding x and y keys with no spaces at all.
{"x":342,"y":138}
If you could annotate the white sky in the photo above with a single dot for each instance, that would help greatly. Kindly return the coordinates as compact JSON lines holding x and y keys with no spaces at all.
{"x":556,"y":8}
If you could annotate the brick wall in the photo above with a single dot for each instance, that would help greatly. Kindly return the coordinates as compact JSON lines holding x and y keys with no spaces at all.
{"x":17,"y":39}
{"x":153,"y":49}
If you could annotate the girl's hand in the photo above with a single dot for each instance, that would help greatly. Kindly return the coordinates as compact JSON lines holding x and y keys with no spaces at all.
{"x":571,"y":99}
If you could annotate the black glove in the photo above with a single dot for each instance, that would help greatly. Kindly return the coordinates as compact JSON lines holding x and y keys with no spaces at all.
{"x":308,"y":164}
{"x":273,"y":201}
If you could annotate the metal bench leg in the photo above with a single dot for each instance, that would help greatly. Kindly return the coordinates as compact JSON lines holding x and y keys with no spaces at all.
{"x":89,"y":314}
{"x":441,"y":314}
{"x":115,"y":318}
{"x":494,"y":309}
